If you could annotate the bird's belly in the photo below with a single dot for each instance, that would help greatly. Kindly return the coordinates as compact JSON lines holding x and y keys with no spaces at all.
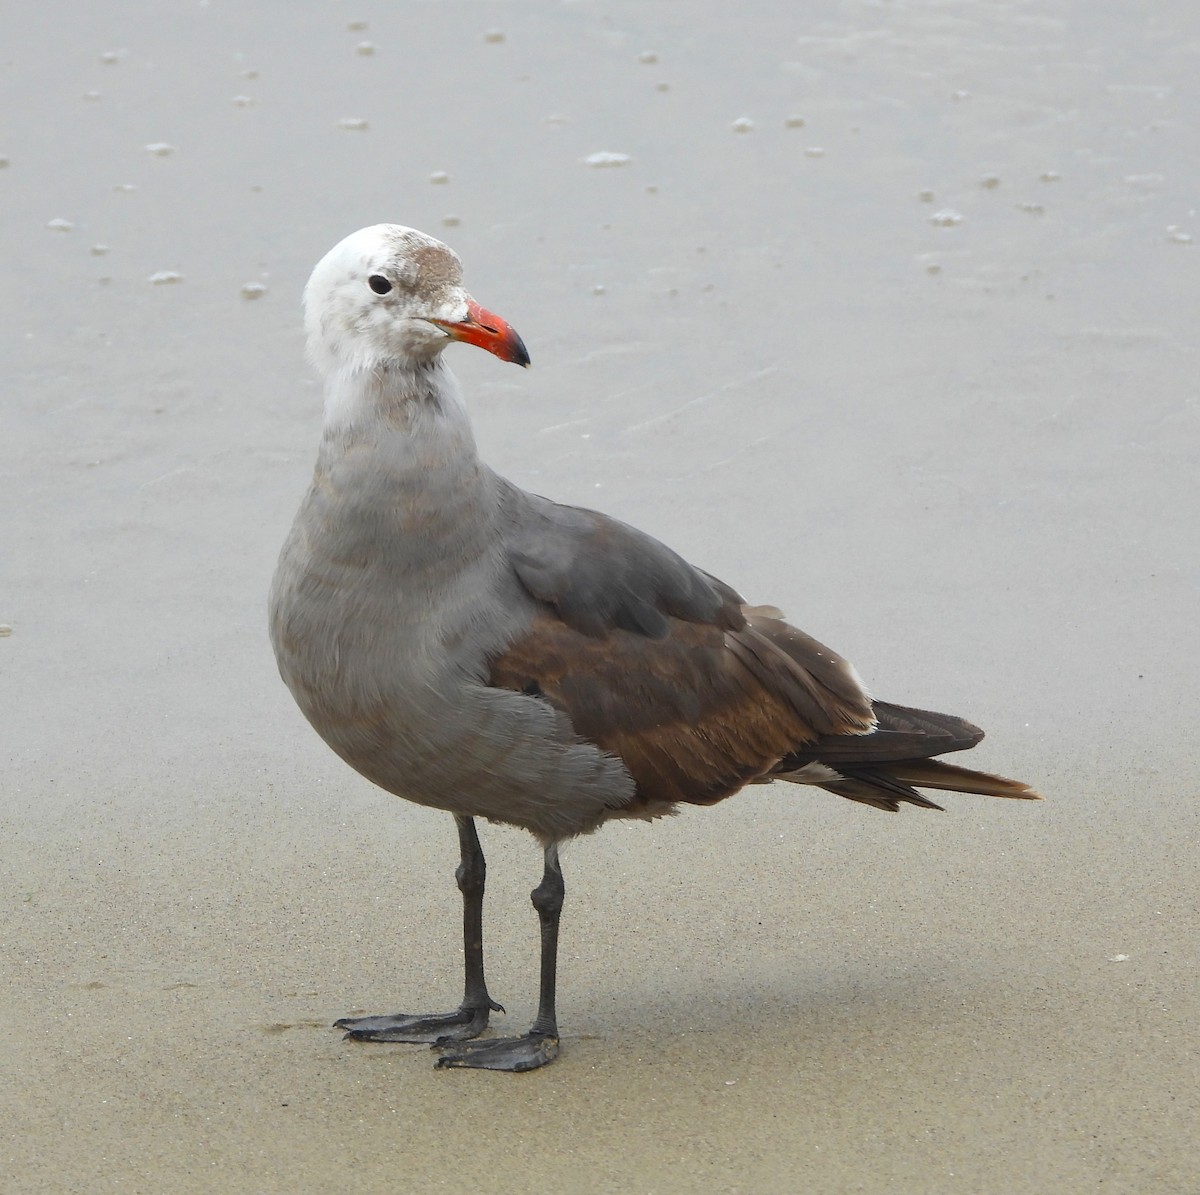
{"x":381,"y":689}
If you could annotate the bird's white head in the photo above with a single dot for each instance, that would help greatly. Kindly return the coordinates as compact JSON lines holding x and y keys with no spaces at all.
{"x":390,"y":296}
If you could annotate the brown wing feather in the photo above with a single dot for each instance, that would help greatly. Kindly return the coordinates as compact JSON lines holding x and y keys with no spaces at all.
{"x":694,"y":715}
{"x":662,"y":665}
{"x":825,"y":678}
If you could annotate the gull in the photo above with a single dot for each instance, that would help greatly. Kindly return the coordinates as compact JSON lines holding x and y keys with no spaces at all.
{"x":484,"y":651}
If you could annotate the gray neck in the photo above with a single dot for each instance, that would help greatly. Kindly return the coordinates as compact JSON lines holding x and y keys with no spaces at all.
{"x":399,"y":467}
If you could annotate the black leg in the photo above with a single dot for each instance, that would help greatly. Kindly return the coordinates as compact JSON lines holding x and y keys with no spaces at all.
{"x":470,"y":1019}
{"x":548,"y":898}
{"x":540,"y":1044}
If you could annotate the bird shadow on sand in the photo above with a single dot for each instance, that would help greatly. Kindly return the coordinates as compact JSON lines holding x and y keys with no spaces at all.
{"x":845,"y":1024}
{"x":731,"y":1007}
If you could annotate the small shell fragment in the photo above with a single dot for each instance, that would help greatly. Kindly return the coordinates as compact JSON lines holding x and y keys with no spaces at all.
{"x":946,"y":218}
{"x":606,"y":158}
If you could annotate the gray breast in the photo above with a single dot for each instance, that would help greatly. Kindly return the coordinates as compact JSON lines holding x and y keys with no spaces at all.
{"x":392,"y":592}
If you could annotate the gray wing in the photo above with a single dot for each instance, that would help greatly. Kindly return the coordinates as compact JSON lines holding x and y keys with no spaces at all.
{"x":661,"y":664}
{"x":599,"y":574}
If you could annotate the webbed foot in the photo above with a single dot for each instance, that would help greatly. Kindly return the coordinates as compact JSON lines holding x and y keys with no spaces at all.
{"x":500,"y":1053}
{"x":421,"y":1028}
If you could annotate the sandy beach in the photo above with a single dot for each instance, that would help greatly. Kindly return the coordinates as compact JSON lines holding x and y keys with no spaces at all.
{"x":886,"y":314}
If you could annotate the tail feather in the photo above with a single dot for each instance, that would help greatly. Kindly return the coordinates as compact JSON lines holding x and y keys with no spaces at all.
{"x":932,"y":773}
{"x":877,"y":789}
{"x":886,"y":767}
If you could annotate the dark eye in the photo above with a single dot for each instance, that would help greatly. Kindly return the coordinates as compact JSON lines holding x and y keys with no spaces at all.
{"x":379,"y":284}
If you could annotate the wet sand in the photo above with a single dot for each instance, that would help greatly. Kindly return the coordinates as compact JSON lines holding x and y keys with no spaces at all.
{"x":961,"y":451}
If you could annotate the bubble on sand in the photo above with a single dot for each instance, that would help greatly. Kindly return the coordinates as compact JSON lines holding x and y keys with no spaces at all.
{"x":961,"y":94}
{"x":439,"y":177}
{"x":5,"y":630}
{"x":112,"y":57}
{"x":598,"y":289}
{"x":1049,"y":176}
{"x":946,"y":218}
{"x":91,"y":95}
{"x":647,"y":56}
{"x":253,"y":290}
{"x":98,"y":250}
{"x":1177,"y":236}
{"x":165,"y":278}
{"x":743,"y":124}
{"x":124,"y":188}
{"x":242,"y":101}
{"x":356,"y":123}
{"x":1118,"y":958}
{"x":604,"y":157}
{"x":59,"y":225}
{"x":1034,"y":209}
{"x":160,"y":149}
{"x":814,"y":151}
{"x":365,"y":48}
{"x":794,"y":122}
{"x":494,"y":36}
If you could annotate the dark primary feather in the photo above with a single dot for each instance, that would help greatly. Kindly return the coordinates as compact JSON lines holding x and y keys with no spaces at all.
{"x":883,"y":768}
{"x":662,"y":665}
{"x":900,"y":733}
